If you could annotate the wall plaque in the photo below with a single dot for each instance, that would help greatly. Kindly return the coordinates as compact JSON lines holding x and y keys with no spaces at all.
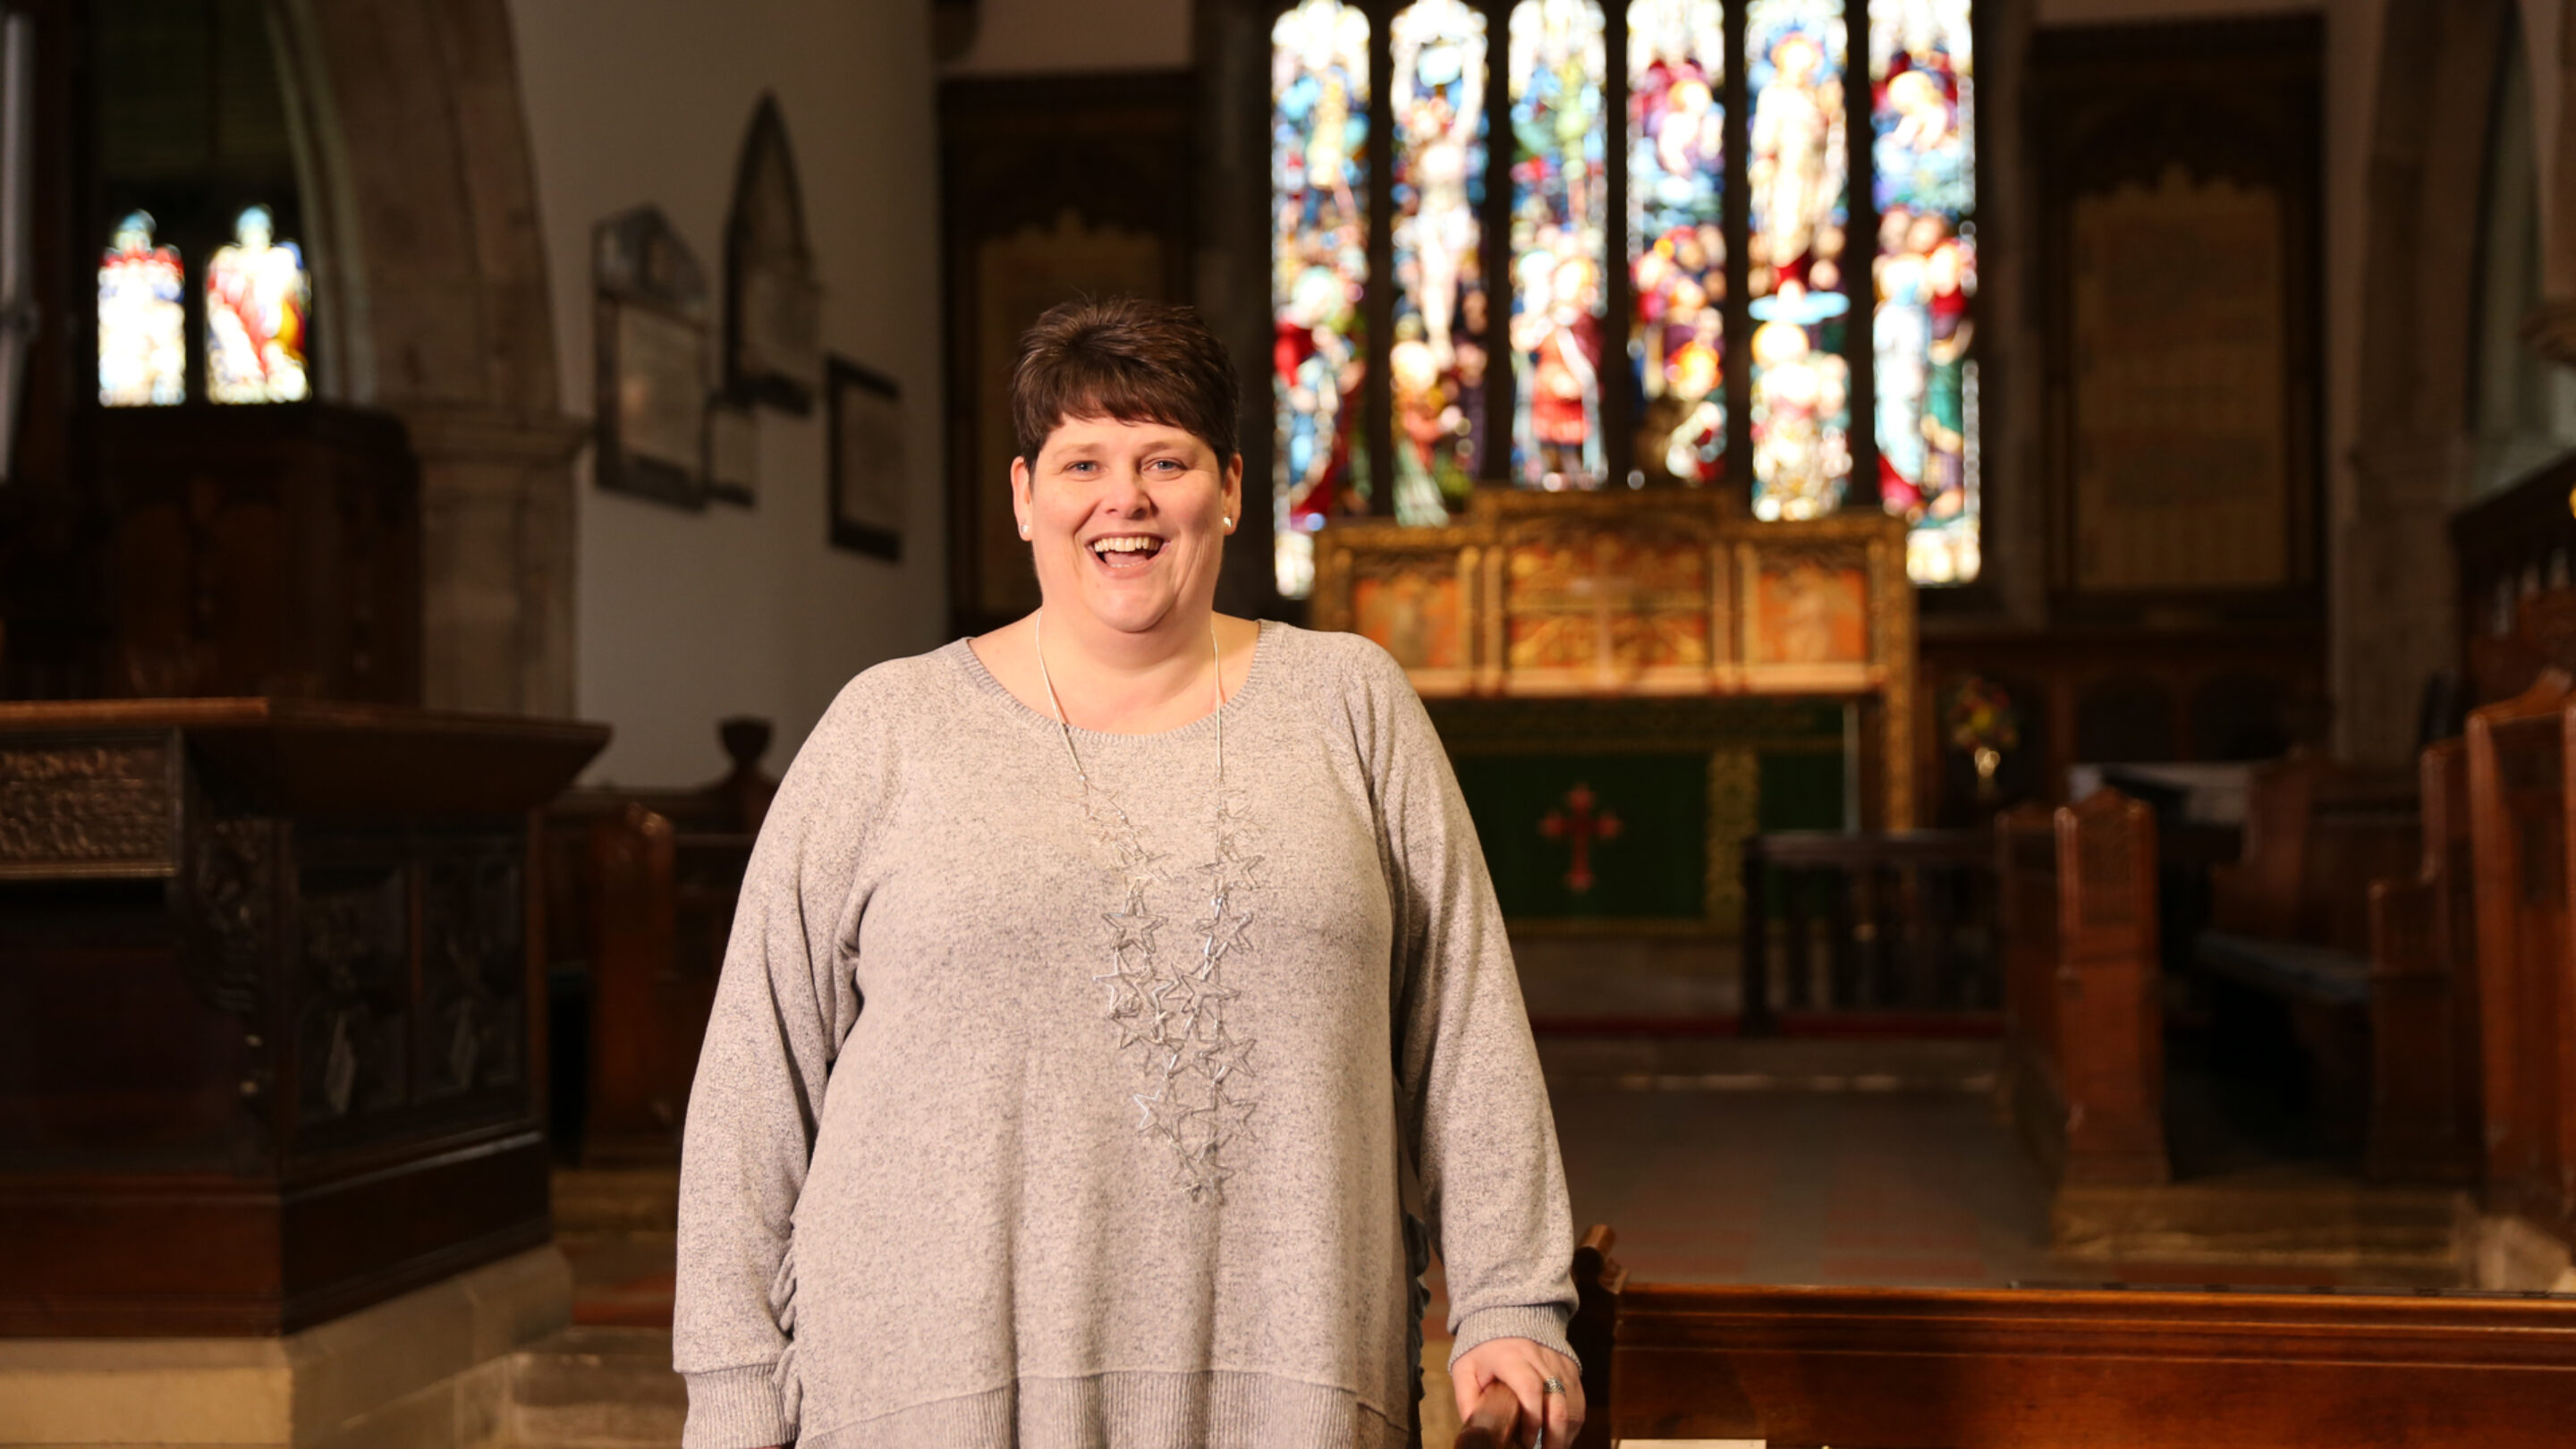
{"x":2182,"y":464}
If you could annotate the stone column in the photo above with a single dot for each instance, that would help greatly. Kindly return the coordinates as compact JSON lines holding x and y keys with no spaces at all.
{"x":498,"y":549}
{"x":2394,"y":603}
{"x":417,"y":155}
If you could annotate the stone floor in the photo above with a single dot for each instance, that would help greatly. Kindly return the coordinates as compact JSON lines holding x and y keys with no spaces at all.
{"x":1716,"y":1159}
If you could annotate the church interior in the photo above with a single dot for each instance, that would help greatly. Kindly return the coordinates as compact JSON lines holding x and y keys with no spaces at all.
{"x":2017,"y":960}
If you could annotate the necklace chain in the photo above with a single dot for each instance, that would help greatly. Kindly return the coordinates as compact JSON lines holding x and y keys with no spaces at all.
{"x":1064,"y":731}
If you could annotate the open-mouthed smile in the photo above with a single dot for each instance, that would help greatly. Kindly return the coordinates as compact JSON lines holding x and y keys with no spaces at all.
{"x":1125,"y":552}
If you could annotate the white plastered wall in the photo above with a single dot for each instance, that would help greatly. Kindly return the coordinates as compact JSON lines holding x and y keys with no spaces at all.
{"x":685,"y":618}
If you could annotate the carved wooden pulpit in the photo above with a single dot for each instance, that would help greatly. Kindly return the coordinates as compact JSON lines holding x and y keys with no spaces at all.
{"x":1567,"y":640}
{"x":269,"y":1007}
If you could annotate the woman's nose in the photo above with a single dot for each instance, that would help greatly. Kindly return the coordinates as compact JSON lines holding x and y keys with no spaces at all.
{"x":1126,"y":494}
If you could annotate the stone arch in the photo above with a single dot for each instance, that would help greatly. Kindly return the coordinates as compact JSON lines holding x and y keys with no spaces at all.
{"x":432,"y":277}
{"x":2392,"y":603}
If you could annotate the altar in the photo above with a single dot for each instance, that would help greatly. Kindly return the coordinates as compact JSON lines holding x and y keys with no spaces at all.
{"x":1629,"y":684}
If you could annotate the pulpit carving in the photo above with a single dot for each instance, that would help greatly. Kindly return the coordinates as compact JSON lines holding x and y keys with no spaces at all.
{"x":87,"y":809}
{"x":475,"y":962}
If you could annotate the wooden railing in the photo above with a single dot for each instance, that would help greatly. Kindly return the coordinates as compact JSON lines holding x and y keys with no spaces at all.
{"x":1897,"y":922}
{"x":2083,"y":1023}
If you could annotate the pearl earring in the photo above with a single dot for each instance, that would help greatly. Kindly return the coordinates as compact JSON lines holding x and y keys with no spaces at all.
{"x":1024,"y":530}
{"x":1229,"y":522}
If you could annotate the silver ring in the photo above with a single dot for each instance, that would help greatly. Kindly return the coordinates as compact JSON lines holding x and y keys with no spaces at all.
{"x":1551,"y":1386}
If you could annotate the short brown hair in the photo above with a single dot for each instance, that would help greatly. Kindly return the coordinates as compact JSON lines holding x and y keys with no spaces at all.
{"x":1129,"y":359}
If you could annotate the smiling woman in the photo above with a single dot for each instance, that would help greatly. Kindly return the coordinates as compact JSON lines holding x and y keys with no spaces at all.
{"x":1094,"y":982}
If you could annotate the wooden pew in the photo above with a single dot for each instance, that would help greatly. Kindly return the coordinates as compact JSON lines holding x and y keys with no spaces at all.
{"x":2424,"y":1111}
{"x":2290,"y":918}
{"x":1878,"y":1368}
{"x":2518,"y":828}
{"x":2083,"y":1026}
{"x":643,"y":887}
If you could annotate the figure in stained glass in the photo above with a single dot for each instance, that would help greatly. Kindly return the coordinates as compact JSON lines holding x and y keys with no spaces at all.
{"x":1319,"y":253}
{"x":1796,"y":52}
{"x":1559,"y":224}
{"x":142,"y":320}
{"x":1923,"y":150}
{"x":1437,"y":364}
{"x":256,"y":295}
{"x":1676,"y":244}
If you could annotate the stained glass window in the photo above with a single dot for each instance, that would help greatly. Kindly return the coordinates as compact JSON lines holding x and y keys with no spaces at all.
{"x":142,"y":319}
{"x":256,"y":296}
{"x":1319,"y":91}
{"x":1923,"y":151}
{"x":1676,"y":237}
{"x":1846,"y":215}
{"x":1560,"y":219}
{"x":1795,"y":54}
{"x":1437,"y":362}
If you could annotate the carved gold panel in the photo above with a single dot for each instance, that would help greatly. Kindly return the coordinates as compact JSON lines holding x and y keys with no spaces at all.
{"x":88,"y":808}
{"x":1665,"y":592}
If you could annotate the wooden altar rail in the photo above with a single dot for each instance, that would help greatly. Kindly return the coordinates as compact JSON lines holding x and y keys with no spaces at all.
{"x":1878,"y":1368}
{"x":2518,"y":828}
{"x":1908,"y":922}
{"x":2083,"y":1026}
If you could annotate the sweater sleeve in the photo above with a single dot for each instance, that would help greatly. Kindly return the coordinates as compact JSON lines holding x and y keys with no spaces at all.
{"x":787,"y":999}
{"x":1478,"y":1121}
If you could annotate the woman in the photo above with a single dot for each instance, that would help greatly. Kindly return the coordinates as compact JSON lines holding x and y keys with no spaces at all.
{"x":1097,"y":985}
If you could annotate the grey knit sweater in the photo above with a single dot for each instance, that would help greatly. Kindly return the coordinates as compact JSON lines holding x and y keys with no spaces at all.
{"x":1051,"y":1113}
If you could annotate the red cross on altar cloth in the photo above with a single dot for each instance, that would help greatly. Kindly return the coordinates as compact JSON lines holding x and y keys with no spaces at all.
{"x":1579,"y":825}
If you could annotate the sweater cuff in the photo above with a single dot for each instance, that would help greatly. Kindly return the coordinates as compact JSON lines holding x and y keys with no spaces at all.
{"x":1543,"y":1324}
{"x":736,"y":1408}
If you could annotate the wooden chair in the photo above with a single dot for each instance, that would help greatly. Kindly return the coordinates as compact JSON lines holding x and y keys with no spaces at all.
{"x":2518,"y":827}
{"x":1878,"y":1368}
{"x":2083,"y":1027}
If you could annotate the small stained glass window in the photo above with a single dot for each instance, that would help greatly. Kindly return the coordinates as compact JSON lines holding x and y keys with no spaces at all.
{"x":1795,"y":55}
{"x":257,"y":293}
{"x":1319,"y":108}
{"x":1560,"y":221}
{"x":1676,"y":234}
{"x":1437,"y":365}
{"x":142,"y":319}
{"x":1923,"y":151}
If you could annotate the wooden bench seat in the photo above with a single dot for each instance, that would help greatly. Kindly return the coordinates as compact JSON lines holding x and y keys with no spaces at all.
{"x":2297,"y":970}
{"x":2046,"y":1368}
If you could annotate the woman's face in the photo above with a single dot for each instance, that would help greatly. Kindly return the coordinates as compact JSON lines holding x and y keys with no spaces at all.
{"x":1127,"y":520}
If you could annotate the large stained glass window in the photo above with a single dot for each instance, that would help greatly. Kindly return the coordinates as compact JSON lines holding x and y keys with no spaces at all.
{"x":1319,"y":107}
{"x":1437,"y":362}
{"x":1560,"y":216}
{"x":1676,"y":240}
{"x":142,"y":319}
{"x":1923,"y":154}
{"x":1795,"y":53}
{"x":1797,"y":249}
{"x":256,"y":295}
